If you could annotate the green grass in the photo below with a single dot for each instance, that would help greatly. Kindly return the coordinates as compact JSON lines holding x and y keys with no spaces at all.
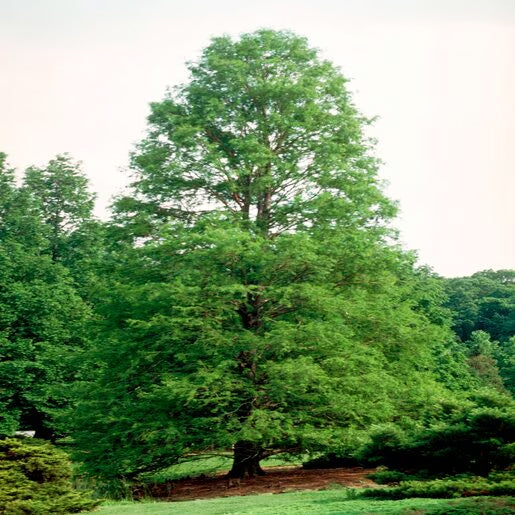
{"x":208,"y":465}
{"x":319,"y":502}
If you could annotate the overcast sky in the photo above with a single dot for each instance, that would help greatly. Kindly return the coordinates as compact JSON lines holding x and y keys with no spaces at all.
{"x":77,"y":76}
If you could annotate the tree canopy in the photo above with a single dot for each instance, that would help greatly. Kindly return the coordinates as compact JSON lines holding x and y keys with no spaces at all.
{"x":264,"y":131}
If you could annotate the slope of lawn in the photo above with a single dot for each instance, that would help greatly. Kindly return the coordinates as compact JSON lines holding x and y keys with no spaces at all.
{"x":315,"y":502}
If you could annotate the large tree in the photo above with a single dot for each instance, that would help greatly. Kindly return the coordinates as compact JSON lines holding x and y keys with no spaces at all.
{"x":260,"y":301}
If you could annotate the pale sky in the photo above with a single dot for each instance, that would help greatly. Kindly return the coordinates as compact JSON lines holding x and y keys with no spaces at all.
{"x":77,"y":76}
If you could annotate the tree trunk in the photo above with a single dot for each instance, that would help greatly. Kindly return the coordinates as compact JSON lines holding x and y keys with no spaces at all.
{"x":36,"y":422}
{"x":247,"y":456}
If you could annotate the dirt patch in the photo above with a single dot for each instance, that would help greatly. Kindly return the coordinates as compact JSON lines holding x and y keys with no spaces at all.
{"x":276,"y":480}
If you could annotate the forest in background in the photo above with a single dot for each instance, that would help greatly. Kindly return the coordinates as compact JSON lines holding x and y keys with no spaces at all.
{"x":247,"y":293}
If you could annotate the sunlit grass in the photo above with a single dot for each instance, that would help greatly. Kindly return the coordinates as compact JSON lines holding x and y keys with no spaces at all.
{"x":209,"y":465}
{"x":318,"y":502}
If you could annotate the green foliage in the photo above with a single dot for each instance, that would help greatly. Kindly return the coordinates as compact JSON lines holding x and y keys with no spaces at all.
{"x":507,"y":364}
{"x":35,"y":479}
{"x":62,"y":200}
{"x":482,"y":354}
{"x":266,"y":132}
{"x":447,"y":488}
{"x":478,"y":442}
{"x":64,"y":205}
{"x":475,"y":505}
{"x":485,"y":301}
{"x":185,"y":374}
{"x":483,"y":308}
{"x":42,"y":319}
{"x":386,"y":477}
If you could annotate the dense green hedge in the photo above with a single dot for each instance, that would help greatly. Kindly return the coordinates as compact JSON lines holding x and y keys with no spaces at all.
{"x":499,"y":484}
{"x":35,"y":480}
{"x":477,"y":442}
{"x":388,"y":477}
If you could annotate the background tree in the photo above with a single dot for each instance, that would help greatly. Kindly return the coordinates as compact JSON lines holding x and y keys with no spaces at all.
{"x":484,"y":301}
{"x":61,"y":198}
{"x":41,"y":318}
{"x":483,"y":309}
{"x":259,"y":301}
{"x":507,"y":364}
{"x":482,"y":359}
{"x":60,"y":193}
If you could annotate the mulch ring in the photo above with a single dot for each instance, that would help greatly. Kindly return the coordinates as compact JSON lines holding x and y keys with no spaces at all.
{"x":276,"y":480}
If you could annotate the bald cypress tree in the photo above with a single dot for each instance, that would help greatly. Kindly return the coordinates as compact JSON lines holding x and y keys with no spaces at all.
{"x":259,"y":301}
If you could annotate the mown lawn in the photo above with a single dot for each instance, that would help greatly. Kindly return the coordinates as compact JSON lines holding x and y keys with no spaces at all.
{"x":209,"y":465}
{"x":317,"y":502}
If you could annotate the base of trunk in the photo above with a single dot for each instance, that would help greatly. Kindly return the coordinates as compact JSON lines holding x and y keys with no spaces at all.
{"x":247,"y":456}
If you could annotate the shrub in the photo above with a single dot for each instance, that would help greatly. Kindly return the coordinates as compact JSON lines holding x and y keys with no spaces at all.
{"x":448,"y":488}
{"x":387,"y":477}
{"x":387,"y":446}
{"x":476,"y":506}
{"x":478,"y":442}
{"x":35,"y":480}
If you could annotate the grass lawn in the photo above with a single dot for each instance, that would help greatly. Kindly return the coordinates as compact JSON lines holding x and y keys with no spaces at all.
{"x":209,"y":465}
{"x":314,"y":502}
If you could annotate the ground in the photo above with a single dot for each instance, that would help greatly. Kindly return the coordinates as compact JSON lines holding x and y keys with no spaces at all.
{"x":276,"y":480}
